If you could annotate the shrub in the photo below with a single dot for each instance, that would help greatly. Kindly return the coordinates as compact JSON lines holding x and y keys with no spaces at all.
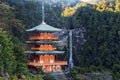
{"x":48,"y":77}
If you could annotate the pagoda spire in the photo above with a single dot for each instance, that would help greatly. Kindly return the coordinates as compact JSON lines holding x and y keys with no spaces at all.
{"x":43,"y":12}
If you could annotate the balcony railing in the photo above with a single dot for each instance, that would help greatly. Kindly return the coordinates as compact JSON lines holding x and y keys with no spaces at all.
{"x":45,"y":64}
{"x":44,"y":48}
{"x":43,"y":38}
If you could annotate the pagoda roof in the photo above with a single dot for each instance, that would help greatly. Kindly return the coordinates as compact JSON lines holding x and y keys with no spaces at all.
{"x":44,"y":52}
{"x":44,"y":27}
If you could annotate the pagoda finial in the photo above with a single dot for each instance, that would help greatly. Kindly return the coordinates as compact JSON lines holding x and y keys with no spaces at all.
{"x":43,"y":13}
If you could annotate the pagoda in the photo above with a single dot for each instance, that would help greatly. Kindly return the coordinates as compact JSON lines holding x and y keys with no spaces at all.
{"x":43,"y":50}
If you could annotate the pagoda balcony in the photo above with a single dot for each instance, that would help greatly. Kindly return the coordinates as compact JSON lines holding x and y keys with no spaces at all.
{"x":44,"y":48}
{"x":43,"y":38}
{"x":45,"y":64}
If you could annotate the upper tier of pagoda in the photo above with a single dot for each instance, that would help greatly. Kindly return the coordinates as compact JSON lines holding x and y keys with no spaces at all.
{"x":43,"y":27}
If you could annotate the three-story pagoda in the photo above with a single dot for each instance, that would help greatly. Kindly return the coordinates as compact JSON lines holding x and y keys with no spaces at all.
{"x":43,"y":51}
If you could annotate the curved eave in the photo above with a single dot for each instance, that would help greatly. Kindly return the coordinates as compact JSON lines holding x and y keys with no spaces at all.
{"x":36,"y":30}
{"x":44,"y":52}
{"x":47,"y":42}
{"x":44,"y":27}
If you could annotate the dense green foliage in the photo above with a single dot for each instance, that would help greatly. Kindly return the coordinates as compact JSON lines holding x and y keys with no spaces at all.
{"x":7,"y":58}
{"x":21,"y":60}
{"x":10,"y":23}
{"x":102,"y":37}
{"x":12,"y":59}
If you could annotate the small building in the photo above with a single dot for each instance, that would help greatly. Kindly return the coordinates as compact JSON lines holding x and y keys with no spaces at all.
{"x":43,"y":52}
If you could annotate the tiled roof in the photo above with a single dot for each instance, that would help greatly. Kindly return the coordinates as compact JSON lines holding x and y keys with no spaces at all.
{"x":44,"y":27}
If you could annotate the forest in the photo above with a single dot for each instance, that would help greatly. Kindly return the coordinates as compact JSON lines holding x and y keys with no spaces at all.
{"x":98,"y":50}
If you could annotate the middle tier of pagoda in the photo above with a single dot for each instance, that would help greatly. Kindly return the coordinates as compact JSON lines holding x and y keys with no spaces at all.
{"x":43,"y":36}
{"x":43,"y":43}
{"x":44,"y":47}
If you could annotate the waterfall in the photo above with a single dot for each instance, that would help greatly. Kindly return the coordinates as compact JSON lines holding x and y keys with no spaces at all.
{"x":75,"y":36}
{"x":71,"y":52}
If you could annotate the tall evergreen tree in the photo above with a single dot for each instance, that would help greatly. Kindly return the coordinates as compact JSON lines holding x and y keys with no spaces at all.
{"x":21,"y":60}
{"x":7,"y":58}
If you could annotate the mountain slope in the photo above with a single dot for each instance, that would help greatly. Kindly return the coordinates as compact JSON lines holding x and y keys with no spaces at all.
{"x":9,"y":22}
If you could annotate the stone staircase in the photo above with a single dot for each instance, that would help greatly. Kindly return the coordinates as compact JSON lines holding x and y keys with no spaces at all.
{"x":59,"y":76}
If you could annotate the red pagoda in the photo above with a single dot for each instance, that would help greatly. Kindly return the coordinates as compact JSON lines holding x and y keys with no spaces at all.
{"x":43,"y":51}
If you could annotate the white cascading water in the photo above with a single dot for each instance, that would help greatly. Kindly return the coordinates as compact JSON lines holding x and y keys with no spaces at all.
{"x":78,"y":35}
{"x":71,"y":52}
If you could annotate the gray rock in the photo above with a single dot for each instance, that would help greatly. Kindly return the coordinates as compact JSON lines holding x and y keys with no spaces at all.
{"x":96,"y":76}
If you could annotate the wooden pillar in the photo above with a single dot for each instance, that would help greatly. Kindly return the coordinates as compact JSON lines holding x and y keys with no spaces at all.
{"x":51,"y":58}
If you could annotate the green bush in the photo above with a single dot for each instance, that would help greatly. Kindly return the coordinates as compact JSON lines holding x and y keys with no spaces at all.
{"x":40,"y":71}
{"x":80,"y":70}
{"x":1,"y":78}
{"x":116,"y":68}
{"x":117,"y":75}
{"x":14,"y":77}
{"x":74,"y":72}
{"x":116,"y":71}
{"x":92,"y":68}
{"x":83,"y":70}
{"x":77,"y":77}
{"x":37,"y":77}
{"x":48,"y":77}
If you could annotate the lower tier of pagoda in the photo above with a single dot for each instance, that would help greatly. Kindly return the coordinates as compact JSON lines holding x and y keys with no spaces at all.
{"x":48,"y":67}
{"x":48,"y":62}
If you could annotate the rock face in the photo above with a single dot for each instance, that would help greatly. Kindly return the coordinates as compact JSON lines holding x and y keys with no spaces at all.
{"x":96,"y":76}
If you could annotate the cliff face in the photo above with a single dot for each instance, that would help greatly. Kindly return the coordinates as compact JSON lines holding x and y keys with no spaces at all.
{"x":96,"y":76}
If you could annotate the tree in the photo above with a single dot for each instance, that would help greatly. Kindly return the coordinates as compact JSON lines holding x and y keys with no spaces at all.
{"x":116,"y":71}
{"x":7,"y":58}
{"x":102,"y":38}
{"x":102,"y":5}
{"x":117,"y":6}
{"x":21,"y":60}
{"x":9,"y":22}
